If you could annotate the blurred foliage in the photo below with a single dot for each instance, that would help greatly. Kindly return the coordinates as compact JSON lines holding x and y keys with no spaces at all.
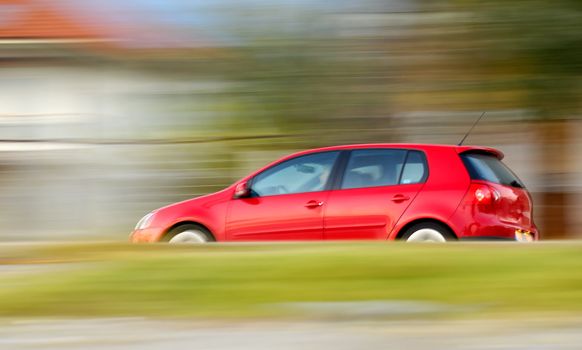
{"x":299,"y":75}
{"x":542,"y":40}
{"x":305,"y":74}
{"x":256,"y":280}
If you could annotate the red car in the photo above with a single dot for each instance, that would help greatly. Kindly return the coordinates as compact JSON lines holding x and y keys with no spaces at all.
{"x":404,"y":192}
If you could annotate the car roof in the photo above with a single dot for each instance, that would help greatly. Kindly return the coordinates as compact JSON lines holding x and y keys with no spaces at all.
{"x":420,"y":146}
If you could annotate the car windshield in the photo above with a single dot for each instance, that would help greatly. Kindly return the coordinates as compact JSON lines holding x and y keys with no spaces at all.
{"x":488,"y":168}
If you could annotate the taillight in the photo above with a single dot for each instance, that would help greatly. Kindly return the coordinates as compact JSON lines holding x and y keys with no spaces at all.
{"x":482,"y":197}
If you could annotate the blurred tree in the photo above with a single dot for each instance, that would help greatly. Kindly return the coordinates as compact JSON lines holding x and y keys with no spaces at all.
{"x":542,"y":40}
{"x":299,"y":75}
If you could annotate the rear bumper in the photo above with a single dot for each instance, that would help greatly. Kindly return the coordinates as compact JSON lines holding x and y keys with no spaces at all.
{"x":499,"y":233}
{"x":519,"y":236}
{"x":486,"y":238}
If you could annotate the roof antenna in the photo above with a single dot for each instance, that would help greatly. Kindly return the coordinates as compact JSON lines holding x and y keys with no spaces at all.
{"x":468,"y":132}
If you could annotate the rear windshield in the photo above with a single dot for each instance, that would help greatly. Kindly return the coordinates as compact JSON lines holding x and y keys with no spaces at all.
{"x":488,"y":168}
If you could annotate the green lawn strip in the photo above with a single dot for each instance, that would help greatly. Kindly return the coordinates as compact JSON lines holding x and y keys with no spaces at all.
{"x":246,"y":281}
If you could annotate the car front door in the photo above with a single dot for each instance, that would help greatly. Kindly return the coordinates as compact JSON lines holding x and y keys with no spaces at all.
{"x":287,"y":201}
{"x":376,"y":188}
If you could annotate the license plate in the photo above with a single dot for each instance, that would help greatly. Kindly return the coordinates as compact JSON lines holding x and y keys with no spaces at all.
{"x":523,"y":236}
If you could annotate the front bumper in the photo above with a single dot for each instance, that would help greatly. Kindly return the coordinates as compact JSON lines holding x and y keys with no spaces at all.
{"x":146,"y":235}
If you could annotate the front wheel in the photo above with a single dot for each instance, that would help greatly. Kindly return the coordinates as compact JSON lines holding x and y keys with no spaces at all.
{"x":188,"y":234}
{"x":428,"y":233}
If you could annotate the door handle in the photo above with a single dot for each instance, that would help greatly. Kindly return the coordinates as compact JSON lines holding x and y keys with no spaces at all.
{"x":400,"y":198}
{"x":313,"y":204}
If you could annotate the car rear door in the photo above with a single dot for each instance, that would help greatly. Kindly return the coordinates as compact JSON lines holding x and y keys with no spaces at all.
{"x":513,"y":204}
{"x":287,"y":201}
{"x":376,"y":187}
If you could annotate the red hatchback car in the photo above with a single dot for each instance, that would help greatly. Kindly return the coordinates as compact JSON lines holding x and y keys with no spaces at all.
{"x":408,"y":192}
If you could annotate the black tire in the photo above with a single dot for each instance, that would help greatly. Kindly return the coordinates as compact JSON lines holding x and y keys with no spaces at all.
{"x":429,"y":229}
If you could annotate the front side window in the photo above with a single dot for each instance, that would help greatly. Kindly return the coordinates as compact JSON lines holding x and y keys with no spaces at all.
{"x":383,"y":167}
{"x":308,"y":173}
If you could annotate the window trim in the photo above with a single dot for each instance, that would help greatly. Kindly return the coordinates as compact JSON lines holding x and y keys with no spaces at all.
{"x":328,"y":185}
{"x":341,"y":169}
{"x":348,"y":153}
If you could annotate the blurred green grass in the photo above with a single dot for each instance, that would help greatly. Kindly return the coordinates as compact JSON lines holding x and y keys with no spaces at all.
{"x":223,"y":281}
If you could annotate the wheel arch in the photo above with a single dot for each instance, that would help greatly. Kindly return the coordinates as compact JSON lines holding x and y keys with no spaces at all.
{"x":408,"y":225}
{"x":184,"y":223}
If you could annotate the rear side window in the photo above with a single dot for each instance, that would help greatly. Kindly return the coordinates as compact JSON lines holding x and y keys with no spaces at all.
{"x":488,"y":168}
{"x":383,"y":167}
{"x":414,"y":170}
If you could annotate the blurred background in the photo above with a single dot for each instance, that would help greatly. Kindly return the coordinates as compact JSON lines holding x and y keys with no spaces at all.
{"x":109,"y":109}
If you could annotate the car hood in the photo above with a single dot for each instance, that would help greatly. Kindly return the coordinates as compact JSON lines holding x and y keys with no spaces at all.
{"x":205,"y":201}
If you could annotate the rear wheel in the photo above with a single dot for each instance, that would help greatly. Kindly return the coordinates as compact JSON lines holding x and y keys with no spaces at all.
{"x":428,"y":232}
{"x":189,"y":234}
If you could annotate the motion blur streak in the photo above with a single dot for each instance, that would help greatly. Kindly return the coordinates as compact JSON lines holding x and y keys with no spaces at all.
{"x":109,"y":109}
{"x":89,"y":88}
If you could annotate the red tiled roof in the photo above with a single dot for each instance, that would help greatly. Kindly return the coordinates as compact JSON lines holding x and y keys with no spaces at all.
{"x":35,"y":19}
{"x":56,"y":20}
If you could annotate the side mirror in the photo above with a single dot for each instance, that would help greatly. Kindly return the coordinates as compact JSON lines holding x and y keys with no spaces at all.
{"x":242,"y":190}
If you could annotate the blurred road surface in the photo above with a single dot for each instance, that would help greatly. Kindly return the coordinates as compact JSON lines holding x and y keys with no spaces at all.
{"x":143,"y":334}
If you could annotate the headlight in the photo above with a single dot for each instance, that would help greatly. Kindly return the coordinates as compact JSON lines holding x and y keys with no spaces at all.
{"x":144,"y":222}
